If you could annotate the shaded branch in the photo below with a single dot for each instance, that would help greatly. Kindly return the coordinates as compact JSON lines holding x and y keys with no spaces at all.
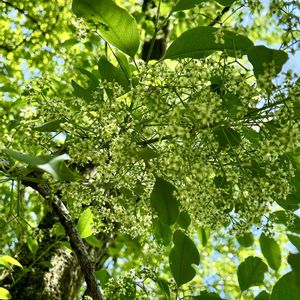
{"x":61,"y":211}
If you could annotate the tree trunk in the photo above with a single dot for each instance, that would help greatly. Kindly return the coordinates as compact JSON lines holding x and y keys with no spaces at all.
{"x":52,"y":273}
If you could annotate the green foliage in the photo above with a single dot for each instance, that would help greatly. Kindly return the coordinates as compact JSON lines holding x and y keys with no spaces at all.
{"x":7,"y":260}
{"x":163,"y":201}
{"x":85,"y":223}
{"x":4,"y":293}
{"x":251,"y":272}
{"x":203,"y":41}
{"x":197,"y":147}
{"x":271,"y":251}
{"x":112,"y":74}
{"x":295,"y":240}
{"x":207,"y":296}
{"x":187,"y":4}
{"x":246,"y":240}
{"x":294,"y":261}
{"x":262,"y":296}
{"x":162,"y":231}
{"x":285,"y":289}
{"x":182,"y":256}
{"x":115,"y":24}
{"x":262,"y":57}
{"x":53,"y":165}
{"x":184,"y":220}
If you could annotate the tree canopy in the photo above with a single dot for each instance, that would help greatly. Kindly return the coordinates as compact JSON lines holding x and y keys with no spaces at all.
{"x":149,"y":149}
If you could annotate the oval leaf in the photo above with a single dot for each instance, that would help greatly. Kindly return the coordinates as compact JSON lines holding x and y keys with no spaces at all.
{"x":251,"y":272}
{"x":115,"y":24}
{"x":261,"y":56}
{"x":246,"y":240}
{"x":53,"y":165}
{"x":204,"y":295}
{"x":162,"y":231}
{"x":294,"y":261}
{"x":201,"y":41}
{"x":163,"y":201}
{"x":103,"y":276}
{"x":271,"y":251}
{"x":263,"y":295}
{"x":50,"y":126}
{"x":182,"y":256}
{"x":85,"y":224}
{"x":184,"y":220}
{"x":295,"y":240}
{"x":4,"y":293}
{"x":10,"y":260}
{"x":32,"y":245}
{"x":284,"y":289}
{"x":164,"y":286}
{"x":227,"y":136}
{"x":110,"y":73}
{"x":186,"y":4}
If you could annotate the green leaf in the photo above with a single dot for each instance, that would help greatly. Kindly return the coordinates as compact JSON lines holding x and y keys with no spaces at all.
{"x":251,"y":135}
{"x":285,"y":289}
{"x":124,"y":64}
{"x":227,"y":136}
{"x":182,"y":256}
{"x":261,"y":57}
{"x":69,"y":43}
{"x":295,"y":240}
{"x":50,"y":126}
{"x":93,"y":80}
{"x":251,"y":272}
{"x":263,"y":295}
{"x":59,"y":229}
{"x":232,"y":104}
{"x":184,"y":220}
{"x":114,"y":23}
{"x":162,"y":231}
{"x":225,"y":2}
{"x":187,"y":4}
{"x":294,"y":261}
{"x":53,"y":165}
{"x":204,"y":295}
{"x":164,"y":286}
{"x":246,"y":240}
{"x":110,"y":73}
{"x":147,"y":153}
{"x":85,"y":223}
{"x":80,"y":92}
{"x":163,"y":201}
{"x":203,"y":235}
{"x":10,"y":260}
{"x":271,"y":251}
{"x":32,"y":245}
{"x":201,"y":41}
{"x":103,"y":276}
{"x":280,"y":217}
{"x":93,"y":241}
{"x":4,"y":293}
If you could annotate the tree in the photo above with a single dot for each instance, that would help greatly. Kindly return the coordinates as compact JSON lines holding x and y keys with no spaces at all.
{"x":149,"y":150}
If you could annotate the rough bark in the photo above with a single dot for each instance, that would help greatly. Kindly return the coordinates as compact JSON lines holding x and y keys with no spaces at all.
{"x":86,"y":263}
{"x":52,"y":273}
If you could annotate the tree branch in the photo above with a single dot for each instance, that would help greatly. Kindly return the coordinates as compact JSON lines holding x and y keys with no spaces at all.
{"x":77,"y":244}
